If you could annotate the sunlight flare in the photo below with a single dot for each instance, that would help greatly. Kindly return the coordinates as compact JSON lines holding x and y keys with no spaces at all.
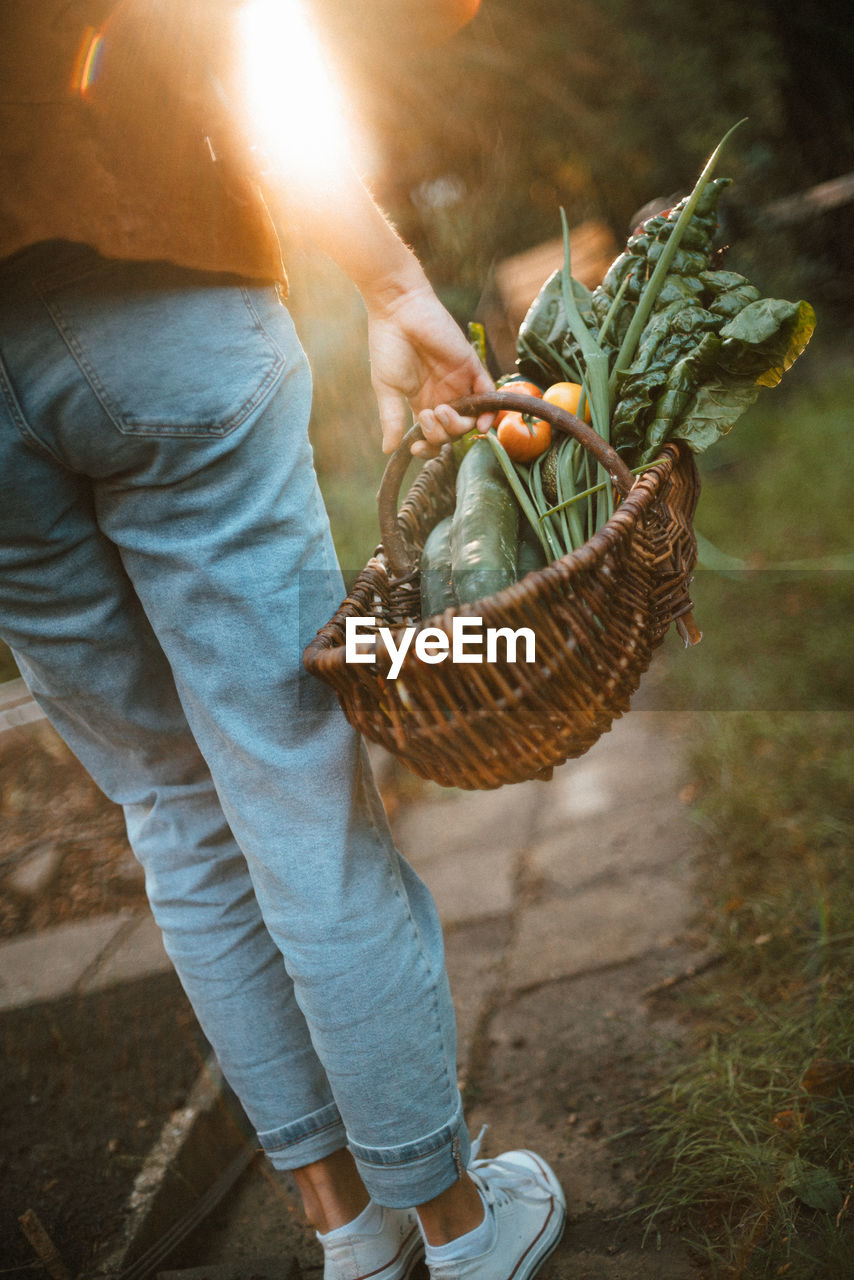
{"x":295,"y":113}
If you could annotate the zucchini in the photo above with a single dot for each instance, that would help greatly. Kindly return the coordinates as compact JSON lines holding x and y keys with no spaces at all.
{"x":484,"y":528}
{"x":531,"y":555}
{"x":437,"y":594}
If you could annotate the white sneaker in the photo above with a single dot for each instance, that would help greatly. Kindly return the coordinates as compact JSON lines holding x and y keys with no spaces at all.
{"x":528,"y":1209}
{"x":389,"y":1253}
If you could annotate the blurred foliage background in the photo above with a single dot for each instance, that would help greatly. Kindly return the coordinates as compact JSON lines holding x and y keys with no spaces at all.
{"x":475,"y":142}
{"x":600,"y":106}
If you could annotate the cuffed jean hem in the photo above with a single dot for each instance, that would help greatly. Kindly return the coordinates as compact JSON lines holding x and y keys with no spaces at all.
{"x":399,"y":1177}
{"x":307,"y":1140}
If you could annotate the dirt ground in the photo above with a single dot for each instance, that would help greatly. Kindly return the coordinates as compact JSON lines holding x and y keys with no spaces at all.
{"x":63,"y":851}
{"x":85,"y":1086}
{"x":85,"y":1082}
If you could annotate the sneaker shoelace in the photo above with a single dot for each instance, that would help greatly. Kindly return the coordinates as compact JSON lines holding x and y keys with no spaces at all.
{"x":500,"y":1181}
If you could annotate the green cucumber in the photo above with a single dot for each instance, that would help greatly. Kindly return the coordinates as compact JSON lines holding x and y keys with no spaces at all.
{"x":484,"y":528}
{"x":437,"y":594}
{"x":531,"y":555}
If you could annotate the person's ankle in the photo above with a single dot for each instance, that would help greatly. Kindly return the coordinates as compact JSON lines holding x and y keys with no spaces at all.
{"x":368,"y":1222}
{"x":332,"y":1192}
{"x":456,"y":1212}
{"x":472,"y":1244}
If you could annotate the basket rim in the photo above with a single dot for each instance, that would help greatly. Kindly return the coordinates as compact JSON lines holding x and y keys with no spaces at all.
{"x":324,"y":649}
{"x":586,"y":557}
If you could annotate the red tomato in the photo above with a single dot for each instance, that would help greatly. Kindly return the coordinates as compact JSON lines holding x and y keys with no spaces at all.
{"x":520,"y":388}
{"x":523,"y":440}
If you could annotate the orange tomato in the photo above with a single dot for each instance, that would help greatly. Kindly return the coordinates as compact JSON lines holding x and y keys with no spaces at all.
{"x":566,"y":395}
{"x":523,"y":440}
{"x":520,"y":388}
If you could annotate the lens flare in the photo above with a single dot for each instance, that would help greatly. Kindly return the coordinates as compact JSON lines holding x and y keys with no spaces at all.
{"x":85,"y":69}
{"x":295,"y":115}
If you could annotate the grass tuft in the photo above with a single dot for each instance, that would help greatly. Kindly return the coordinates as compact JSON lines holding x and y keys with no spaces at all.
{"x":750,"y":1149}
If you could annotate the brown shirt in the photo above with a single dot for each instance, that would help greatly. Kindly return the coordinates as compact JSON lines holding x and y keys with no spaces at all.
{"x":112,"y":133}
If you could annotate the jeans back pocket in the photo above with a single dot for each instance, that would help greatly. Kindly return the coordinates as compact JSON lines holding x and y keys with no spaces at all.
{"x":168,"y":351}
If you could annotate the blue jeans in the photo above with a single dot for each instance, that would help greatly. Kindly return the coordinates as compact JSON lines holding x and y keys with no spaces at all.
{"x":165,"y":557}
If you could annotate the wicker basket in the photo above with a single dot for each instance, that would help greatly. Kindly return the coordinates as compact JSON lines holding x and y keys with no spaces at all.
{"x":598,"y":615}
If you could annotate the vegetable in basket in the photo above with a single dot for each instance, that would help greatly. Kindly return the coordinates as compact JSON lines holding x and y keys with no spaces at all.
{"x":666,"y":348}
{"x":524,"y":438}
{"x":484,"y":536}
{"x":708,"y":344}
{"x":437,"y":592}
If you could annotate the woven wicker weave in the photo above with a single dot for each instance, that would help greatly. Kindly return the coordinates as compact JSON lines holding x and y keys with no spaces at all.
{"x":598,"y":615}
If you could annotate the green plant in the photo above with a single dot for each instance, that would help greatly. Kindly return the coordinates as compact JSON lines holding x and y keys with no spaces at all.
{"x":750,"y":1147}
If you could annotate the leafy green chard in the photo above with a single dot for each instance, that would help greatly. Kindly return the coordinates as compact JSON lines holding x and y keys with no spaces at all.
{"x":644,"y":249}
{"x":688,"y":347}
{"x":750,"y":351}
{"x":546,"y":347}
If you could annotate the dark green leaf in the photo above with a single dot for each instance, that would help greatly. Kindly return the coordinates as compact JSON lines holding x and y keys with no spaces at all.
{"x":545,"y":334}
{"x":707,"y":415}
{"x":766,"y":338}
{"x":817,"y":1188}
{"x":729,"y":292}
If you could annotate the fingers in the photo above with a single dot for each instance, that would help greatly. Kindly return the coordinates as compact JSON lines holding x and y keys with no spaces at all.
{"x":394,"y":417}
{"x":440,"y":423}
{"x":443,"y":424}
{"x":481,"y":386}
{"x":439,"y":426}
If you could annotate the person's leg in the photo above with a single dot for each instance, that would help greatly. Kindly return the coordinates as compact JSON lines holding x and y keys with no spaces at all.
{"x":503,"y":1218}
{"x":87,"y":650}
{"x":107,"y":518}
{"x":208,"y":516}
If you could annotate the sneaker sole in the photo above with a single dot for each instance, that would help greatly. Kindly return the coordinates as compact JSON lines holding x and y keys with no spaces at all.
{"x":540,"y":1251}
{"x":411,"y":1252}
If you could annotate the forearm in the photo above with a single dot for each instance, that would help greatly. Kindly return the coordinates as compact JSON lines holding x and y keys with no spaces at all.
{"x":419,"y":356}
{"x":418,"y":353}
{"x":340,"y":218}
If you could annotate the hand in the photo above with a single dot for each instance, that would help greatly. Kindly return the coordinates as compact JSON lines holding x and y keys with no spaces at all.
{"x":419,"y":356}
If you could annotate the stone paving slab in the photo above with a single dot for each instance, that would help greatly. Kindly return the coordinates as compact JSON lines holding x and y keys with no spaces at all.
{"x":576,"y":857}
{"x":634,"y":762}
{"x":474,"y":956}
{"x":137,"y":953}
{"x":596,"y":929}
{"x":17,"y":707}
{"x":465,"y":845}
{"x":50,"y":964}
{"x":603,"y":885}
{"x":478,"y":886}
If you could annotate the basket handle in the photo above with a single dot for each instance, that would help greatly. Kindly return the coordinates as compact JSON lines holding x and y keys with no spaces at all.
{"x":396,"y":550}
